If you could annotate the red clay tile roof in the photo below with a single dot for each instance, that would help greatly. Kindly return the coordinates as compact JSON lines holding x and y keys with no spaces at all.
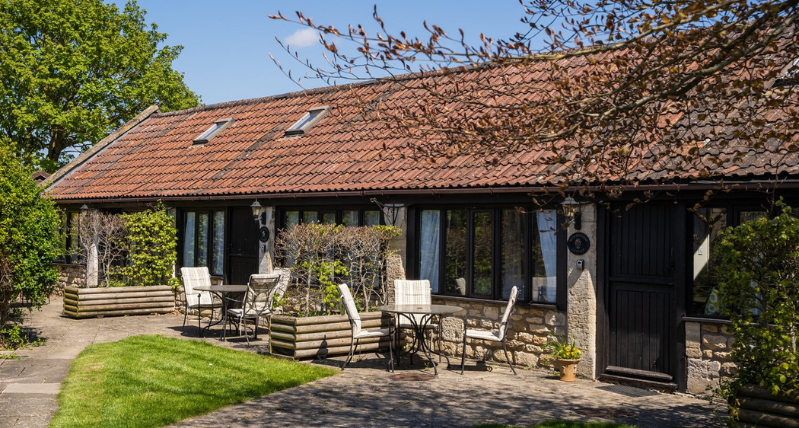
{"x":158,"y":159}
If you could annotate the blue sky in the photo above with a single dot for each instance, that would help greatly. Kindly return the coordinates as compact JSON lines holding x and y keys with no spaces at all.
{"x":227,"y":44}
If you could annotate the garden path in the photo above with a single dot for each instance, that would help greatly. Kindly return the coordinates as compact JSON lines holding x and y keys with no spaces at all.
{"x":364,"y":395}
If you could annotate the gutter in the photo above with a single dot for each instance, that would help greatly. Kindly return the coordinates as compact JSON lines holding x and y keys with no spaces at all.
{"x":702,"y":186}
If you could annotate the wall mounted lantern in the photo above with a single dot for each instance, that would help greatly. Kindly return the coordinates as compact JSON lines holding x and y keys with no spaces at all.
{"x":390,"y":211}
{"x":572,"y":211}
{"x":257,"y":215}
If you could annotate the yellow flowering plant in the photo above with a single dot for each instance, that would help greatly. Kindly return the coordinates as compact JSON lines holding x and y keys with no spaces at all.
{"x":562,"y":349}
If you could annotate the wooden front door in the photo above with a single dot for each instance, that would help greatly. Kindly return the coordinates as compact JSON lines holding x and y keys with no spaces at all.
{"x":643,"y":272}
{"x":242,"y":246}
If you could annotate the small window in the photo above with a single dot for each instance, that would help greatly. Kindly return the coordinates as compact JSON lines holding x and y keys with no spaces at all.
{"x":308,"y":120}
{"x":790,"y":75}
{"x":213,"y":131}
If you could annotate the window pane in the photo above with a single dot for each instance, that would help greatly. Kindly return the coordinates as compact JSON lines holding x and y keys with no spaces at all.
{"x":310,"y":217}
{"x":292,"y":218}
{"x":544,"y":256}
{"x":513,"y":256}
{"x":708,"y":223}
{"x":188,"y":240}
{"x":349,"y":218}
{"x":328,"y":218}
{"x":429,"y":236}
{"x":455,"y":253}
{"x":751,"y":215}
{"x":483,"y":252}
{"x":202,"y":240}
{"x":219,"y":244}
{"x":371,"y":218}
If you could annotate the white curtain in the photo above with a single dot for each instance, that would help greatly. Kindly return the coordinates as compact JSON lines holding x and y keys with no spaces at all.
{"x":547,"y":225}
{"x":429,"y":249}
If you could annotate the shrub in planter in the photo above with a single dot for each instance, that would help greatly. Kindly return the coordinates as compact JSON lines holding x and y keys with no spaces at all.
{"x":152,"y":248}
{"x":759,"y":288}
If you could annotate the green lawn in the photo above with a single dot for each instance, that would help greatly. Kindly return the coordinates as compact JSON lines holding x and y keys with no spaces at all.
{"x":153,"y":381}
{"x":562,"y":424}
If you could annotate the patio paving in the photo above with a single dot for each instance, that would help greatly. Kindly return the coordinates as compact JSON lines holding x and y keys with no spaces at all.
{"x":364,"y":395}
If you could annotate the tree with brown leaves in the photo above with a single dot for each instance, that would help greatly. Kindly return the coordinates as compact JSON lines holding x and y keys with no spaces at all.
{"x":610,"y":94}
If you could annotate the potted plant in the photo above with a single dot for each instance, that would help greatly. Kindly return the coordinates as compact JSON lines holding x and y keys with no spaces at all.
{"x":135,"y":255}
{"x":566,"y":357}
{"x":318,"y":258}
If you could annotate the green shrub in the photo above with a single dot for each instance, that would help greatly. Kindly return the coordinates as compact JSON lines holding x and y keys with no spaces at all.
{"x":28,"y":238}
{"x":759,"y":289}
{"x":152,"y":248}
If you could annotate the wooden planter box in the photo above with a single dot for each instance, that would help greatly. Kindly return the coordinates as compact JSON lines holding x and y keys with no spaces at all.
{"x":115,"y":301}
{"x":322,"y":336}
{"x":759,"y":408}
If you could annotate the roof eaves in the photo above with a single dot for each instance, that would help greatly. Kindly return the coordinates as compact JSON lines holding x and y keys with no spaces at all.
{"x":97,"y":148}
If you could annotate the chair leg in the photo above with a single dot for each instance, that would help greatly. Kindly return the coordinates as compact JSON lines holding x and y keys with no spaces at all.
{"x":390,"y":352}
{"x":505,"y":348}
{"x":463,"y":354}
{"x":185,"y":316}
{"x":440,"y":322}
{"x":349,"y":357}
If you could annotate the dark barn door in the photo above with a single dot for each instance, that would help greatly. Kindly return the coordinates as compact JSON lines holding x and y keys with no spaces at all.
{"x":641,"y":299}
{"x":242,"y":246}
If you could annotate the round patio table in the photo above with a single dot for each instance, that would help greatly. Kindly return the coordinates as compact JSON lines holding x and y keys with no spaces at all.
{"x":222,"y":291}
{"x":427,"y":312}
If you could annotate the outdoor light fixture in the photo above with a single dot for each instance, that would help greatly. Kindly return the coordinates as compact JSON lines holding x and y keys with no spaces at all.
{"x":390,"y":211}
{"x":256,"y":210}
{"x":571,"y":209}
{"x":84,"y":208}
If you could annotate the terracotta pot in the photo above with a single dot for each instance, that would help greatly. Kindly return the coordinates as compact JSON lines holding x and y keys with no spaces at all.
{"x":567,"y":369}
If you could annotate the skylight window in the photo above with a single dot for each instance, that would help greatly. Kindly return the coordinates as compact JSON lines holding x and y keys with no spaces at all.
{"x":307,"y":121}
{"x":213,"y":131}
{"x":790,"y":76}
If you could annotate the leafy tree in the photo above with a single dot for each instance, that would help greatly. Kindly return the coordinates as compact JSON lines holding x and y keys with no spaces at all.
{"x":28,"y":242}
{"x":614,"y":77}
{"x":72,"y":71}
{"x":759,"y":285}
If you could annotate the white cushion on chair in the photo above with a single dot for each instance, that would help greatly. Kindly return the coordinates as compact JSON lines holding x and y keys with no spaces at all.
{"x":482,"y":334}
{"x":377,"y":332}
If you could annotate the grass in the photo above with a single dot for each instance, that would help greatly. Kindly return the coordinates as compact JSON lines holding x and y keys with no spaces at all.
{"x":153,"y":381}
{"x":562,"y":424}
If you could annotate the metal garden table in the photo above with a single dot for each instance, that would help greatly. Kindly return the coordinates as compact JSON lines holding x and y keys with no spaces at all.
{"x":222,"y":291}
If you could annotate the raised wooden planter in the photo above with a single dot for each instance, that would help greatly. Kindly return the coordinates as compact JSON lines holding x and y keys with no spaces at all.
{"x":322,"y":336}
{"x":115,"y":301}
{"x":759,"y":408}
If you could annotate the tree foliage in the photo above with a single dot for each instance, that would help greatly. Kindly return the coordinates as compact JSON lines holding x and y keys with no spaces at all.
{"x":107,"y":233}
{"x":72,"y":71}
{"x":759,"y":285}
{"x":152,"y":248}
{"x":612,"y":80}
{"x":28,"y":242}
{"x":323,"y":255}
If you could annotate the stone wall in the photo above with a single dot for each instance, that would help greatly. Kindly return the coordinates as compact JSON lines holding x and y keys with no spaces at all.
{"x":582,"y":299}
{"x":707,"y":349}
{"x":528,"y":331}
{"x":70,"y":275}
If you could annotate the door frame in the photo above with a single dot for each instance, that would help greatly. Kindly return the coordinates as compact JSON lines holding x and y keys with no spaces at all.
{"x":678,"y":309}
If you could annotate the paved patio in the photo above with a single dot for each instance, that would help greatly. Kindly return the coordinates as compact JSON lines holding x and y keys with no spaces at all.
{"x":362,"y":396}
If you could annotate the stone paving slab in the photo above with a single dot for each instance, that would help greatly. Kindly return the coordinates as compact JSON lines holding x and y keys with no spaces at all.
{"x":364,"y":395}
{"x":33,"y":388}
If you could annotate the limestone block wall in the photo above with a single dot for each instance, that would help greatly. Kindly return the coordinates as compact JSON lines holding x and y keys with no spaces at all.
{"x":70,"y":275}
{"x":582,"y":300}
{"x":528,"y":332}
{"x":707,"y":349}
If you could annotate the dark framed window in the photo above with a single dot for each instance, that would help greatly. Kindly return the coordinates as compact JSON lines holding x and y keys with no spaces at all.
{"x":346,"y":217}
{"x":484,"y":252}
{"x":707,"y":224}
{"x":203,"y":240}
{"x":69,"y":247}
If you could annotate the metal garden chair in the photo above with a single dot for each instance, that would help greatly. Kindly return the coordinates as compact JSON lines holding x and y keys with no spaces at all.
{"x":499,"y":335}
{"x":359,"y":333}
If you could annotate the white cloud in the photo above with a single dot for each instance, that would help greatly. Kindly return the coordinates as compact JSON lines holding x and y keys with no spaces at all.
{"x":303,"y":38}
